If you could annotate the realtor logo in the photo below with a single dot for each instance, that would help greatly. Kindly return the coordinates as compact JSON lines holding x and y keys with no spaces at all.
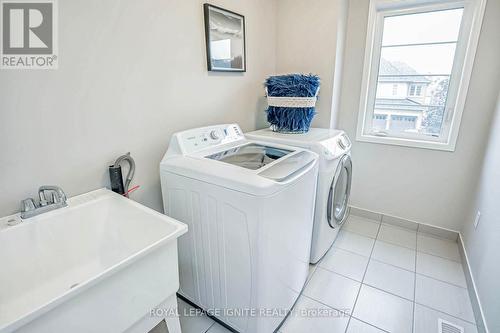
{"x":29,"y":34}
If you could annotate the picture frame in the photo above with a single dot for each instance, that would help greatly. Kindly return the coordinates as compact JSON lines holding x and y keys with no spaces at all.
{"x":225,"y":39}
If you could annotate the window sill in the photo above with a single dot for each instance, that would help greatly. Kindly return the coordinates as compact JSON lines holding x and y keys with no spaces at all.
{"x":411,"y":143}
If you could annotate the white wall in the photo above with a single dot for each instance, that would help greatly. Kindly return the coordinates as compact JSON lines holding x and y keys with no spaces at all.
{"x":130,"y":74}
{"x":482,"y":244}
{"x":427,"y":186}
{"x":310,"y":40}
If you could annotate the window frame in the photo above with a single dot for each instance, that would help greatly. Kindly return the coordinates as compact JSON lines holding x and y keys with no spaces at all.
{"x":468,"y":38}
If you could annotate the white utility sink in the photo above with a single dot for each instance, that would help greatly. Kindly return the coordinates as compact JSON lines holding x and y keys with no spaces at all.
{"x":98,"y":265}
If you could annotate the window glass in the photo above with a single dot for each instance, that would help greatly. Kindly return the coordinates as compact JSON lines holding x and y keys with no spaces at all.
{"x":430,"y":27}
{"x":417,"y":53}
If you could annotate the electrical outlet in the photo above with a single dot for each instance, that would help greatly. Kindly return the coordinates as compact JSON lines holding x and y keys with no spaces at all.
{"x":476,"y":221}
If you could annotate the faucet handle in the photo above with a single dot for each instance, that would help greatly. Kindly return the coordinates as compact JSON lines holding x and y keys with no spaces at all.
{"x":57,"y":198}
{"x":27,"y":205}
{"x":57,"y":195}
{"x":43,"y":199}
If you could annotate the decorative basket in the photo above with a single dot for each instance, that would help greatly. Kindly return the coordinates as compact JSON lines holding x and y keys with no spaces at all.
{"x":288,"y":113}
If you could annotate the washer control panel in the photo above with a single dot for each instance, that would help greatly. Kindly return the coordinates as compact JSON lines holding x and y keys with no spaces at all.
{"x":343,"y":141}
{"x":336,"y":146}
{"x":200,"y":138}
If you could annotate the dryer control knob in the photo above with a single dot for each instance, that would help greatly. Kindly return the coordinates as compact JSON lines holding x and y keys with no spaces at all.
{"x":214,"y":135}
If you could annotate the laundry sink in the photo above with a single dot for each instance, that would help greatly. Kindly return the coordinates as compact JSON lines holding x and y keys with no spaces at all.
{"x":98,"y":265}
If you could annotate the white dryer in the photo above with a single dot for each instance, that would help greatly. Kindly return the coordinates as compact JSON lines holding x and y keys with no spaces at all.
{"x":334,"y":179}
{"x":249,"y":208}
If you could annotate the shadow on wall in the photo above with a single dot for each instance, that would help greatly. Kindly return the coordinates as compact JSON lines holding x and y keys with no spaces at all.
{"x":260,"y":115}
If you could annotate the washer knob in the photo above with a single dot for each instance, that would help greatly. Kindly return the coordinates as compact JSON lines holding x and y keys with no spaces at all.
{"x":214,"y":135}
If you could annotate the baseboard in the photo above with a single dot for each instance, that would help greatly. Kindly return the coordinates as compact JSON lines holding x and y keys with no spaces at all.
{"x":405,"y":223}
{"x":471,"y":287}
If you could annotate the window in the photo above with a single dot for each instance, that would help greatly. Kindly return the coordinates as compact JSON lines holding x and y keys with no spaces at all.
{"x":428,"y":48}
{"x":418,"y":91}
{"x":415,"y":90}
{"x":403,"y":123}
{"x":412,"y":90}
{"x":394,"y":89}
{"x":380,"y":121}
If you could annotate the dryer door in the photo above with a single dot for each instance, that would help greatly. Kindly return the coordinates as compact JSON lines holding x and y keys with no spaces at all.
{"x":340,"y":190}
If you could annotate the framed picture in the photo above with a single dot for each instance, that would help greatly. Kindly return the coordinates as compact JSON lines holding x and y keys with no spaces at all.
{"x":225,"y":39}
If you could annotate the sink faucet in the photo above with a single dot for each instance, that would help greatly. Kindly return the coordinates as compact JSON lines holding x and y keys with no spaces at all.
{"x":50,"y":198}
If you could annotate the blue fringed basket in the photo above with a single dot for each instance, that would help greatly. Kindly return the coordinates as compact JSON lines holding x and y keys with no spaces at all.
{"x":291,"y":100}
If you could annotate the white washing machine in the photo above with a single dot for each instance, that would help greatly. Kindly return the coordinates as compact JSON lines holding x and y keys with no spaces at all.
{"x":249,"y":208}
{"x":334,"y":179}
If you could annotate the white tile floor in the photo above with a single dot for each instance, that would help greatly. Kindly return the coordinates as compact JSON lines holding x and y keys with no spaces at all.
{"x":387,"y":279}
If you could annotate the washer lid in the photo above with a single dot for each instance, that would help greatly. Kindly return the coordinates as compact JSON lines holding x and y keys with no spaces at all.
{"x":251,"y":156}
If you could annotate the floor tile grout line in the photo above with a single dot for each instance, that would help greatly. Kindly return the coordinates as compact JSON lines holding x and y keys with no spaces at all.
{"x":446,"y":313}
{"x":399,"y":227}
{"x":367,"y":323}
{"x":330,"y":307}
{"x":388,"y":292}
{"x":363,"y":278}
{"x":406,"y":247}
{"x":443,"y":281}
{"x":345,"y":276}
{"x":358,"y":233}
{"x":322,"y":303}
{"x":392,"y":265}
{"x":435,"y":255}
{"x":352,"y":252}
{"x":209,"y":327}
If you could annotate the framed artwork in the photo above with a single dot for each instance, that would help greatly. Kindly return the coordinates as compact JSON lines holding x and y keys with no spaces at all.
{"x":225,"y":39}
